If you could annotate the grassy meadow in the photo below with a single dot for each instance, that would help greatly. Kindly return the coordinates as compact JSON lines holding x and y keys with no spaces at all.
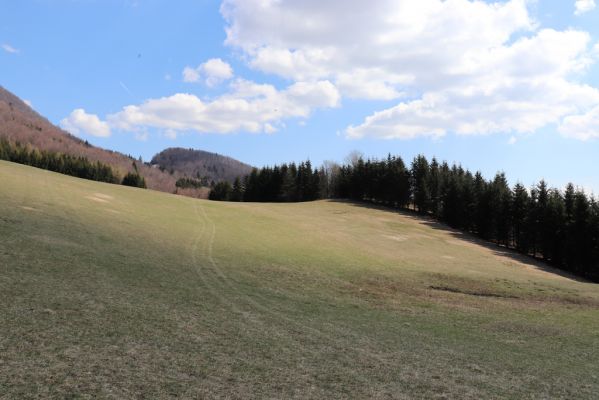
{"x":114,"y":292}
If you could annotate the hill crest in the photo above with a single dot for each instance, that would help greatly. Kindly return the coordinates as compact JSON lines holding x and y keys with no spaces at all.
{"x":200,"y":164}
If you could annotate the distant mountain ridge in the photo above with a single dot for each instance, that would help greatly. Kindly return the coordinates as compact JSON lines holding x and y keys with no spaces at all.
{"x":199,"y":164}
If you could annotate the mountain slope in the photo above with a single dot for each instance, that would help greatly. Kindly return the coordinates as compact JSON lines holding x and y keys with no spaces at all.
{"x":18,"y":122}
{"x":199,"y":164}
{"x":116,"y":292}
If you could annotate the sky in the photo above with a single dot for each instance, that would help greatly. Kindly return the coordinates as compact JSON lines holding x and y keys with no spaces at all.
{"x":507,"y":86}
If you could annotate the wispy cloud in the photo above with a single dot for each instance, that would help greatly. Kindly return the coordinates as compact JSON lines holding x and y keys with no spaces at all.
{"x":9,"y":49}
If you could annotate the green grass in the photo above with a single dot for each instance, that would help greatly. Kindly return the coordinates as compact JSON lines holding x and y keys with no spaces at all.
{"x":115,"y":292}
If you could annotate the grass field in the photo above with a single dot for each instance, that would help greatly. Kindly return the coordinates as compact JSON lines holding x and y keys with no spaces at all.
{"x":115,"y":292}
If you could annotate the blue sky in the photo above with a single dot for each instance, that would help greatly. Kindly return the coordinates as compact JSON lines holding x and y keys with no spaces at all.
{"x":511,"y":85}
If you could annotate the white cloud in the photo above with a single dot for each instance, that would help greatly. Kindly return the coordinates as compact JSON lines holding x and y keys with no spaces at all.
{"x":216,"y":70}
{"x":212,"y":72}
{"x":371,"y":84}
{"x":248,"y":107}
{"x":462,"y":66}
{"x":583,"y":6}
{"x":584,"y":126}
{"x":9,"y":49}
{"x":171,"y":134}
{"x":418,"y":41}
{"x":28,"y":103}
{"x":79,"y":122}
{"x":525,"y":108}
{"x":190,"y":74}
{"x":512,"y":140}
{"x":142,"y":136}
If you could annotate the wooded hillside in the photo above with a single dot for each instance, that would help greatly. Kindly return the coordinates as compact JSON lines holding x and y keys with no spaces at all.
{"x":21,"y":124}
{"x":201,"y":165}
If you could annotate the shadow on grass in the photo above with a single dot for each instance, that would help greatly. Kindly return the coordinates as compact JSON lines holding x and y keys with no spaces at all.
{"x":497,"y":249}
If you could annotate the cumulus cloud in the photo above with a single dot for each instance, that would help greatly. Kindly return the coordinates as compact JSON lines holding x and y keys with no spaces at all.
{"x":583,"y":6}
{"x":523,"y":108}
{"x":212,"y":72}
{"x":584,"y":126}
{"x":419,"y":41}
{"x":79,"y":122}
{"x":9,"y":49}
{"x":248,"y":107}
{"x":469,"y":67}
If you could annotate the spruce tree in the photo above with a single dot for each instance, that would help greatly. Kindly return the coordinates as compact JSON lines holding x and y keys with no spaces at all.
{"x":237,"y":191}
{"x":520,"y":218}
{"x":420,"y":189}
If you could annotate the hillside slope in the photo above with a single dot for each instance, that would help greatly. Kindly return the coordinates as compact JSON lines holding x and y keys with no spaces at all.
{"x":110,"y":291}
{"x":18,"y":122}
{"x":199,"y":164}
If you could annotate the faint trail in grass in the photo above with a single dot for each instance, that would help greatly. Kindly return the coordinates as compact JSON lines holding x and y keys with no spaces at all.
{"x":226,"y":290}
{"x":201,"y":271}
{"x":234,"y":286}
{"x":282,"y":322}
{"x":285,"y":322}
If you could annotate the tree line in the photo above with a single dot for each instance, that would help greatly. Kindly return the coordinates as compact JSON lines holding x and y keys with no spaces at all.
{"x":77,"y":166}
{"x":284,"y":183}
{"x":186,"y":183}
{"x":558,"y":226}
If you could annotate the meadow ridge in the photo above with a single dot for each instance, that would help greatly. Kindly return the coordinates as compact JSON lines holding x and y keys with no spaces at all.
{"x":116,"y":292}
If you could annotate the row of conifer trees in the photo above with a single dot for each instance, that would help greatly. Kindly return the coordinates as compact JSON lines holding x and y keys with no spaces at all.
{"x":559,"y":226}
{"x":284,"y":183}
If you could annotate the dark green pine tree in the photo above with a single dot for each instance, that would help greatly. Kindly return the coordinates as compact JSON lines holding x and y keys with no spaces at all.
{"x":468,"y":202}
{"x":237,"y":191}
{"x":483,"y":213}
{"x":593,"y":271}
{"x":399,"y":183}
{"x":134,"y":179}
{"x":419,"y":184}
{"x":221,"y":191}
{"x":539,"y":220}
{"x":451,"y":201}
{"x":553,"y":237}
{"x":251,"y":186}
{"x":434,"y":188}
{"x":519,"y":221}
{"x":501,"y":200}
{"x":581,"y":234}
{"x":289,"y":191}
